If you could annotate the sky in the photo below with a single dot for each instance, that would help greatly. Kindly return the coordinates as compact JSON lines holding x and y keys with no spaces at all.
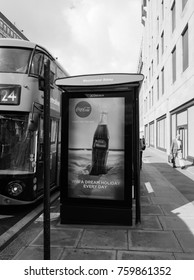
{"x":87,"y":36}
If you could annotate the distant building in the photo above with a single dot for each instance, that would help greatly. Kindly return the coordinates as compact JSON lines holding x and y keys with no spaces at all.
{"x":9,"y":30}
{"x":167,"y":62}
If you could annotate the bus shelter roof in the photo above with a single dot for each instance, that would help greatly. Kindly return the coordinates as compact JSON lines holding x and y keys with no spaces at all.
{"x":100,"y":80}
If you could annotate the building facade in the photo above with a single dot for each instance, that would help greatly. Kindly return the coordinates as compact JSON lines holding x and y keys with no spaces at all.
{"x":167,"y":62}
{"x":9,"y":30}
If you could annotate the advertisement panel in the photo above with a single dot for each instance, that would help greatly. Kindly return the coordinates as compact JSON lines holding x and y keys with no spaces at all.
{"x":96,"y":147}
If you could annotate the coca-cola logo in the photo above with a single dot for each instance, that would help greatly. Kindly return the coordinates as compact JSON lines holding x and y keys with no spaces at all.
{"x":83,"y":109}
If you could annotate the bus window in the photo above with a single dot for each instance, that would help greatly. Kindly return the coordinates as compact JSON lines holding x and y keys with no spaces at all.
{"x":37,"y":66}
{"x":52,"y":73}
{"x":17,"y":144}
{"x":52,"y":79}
{"x":53,"y":131}
{"x":14,"y":60}
{"x":41,"y":137}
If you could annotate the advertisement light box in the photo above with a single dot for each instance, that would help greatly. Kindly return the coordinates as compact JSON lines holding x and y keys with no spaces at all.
{"x":96,"y":146}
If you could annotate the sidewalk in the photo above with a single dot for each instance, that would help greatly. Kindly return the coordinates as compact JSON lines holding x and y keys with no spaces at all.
{"x":166,"y":231}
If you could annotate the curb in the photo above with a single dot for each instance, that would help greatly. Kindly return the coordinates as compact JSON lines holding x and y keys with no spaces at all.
{"x":13,"y":232}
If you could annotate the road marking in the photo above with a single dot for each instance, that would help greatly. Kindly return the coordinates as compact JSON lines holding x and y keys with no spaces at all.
{"x":149,"y":187}
{"x":6,"y":216}
{"x":53,"y":216}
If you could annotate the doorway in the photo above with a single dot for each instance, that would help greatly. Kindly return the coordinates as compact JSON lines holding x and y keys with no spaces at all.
{"x":183,"y":134}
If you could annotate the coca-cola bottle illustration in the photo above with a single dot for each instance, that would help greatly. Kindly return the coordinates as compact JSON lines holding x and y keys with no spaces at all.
{"x":100,"y":147}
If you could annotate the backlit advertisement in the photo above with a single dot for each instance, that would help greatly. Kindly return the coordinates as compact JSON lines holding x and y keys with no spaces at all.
{"x":96,"y":139}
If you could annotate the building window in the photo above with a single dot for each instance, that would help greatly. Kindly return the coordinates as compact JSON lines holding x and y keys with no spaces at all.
{"x":162,"y":42}
{"x":152,"y":96}
{"x":150,"y":74}
{"x":162,"y":3}
{"x":146,"y":104}
{"x":173,"y":12}
{"x":158,"y":24}
{"x":163,"y":80}
{"x":190,"y":131}
{"x":146,"y":82}
{"x":5,"y":28}
{"x":158,"y":88}
{"x":146,"y":133}
{"x":185,"y":45}
{"x":151,"y":132}
{"x":152,"y":66}
{"x":161,"y":133}
{"x":184,"y":2}
{"x":173,"y":127}
{"x":174,"y":65}
{"x":8,"y":31}
{"x":150,"y":99}
{"x":157,"y":51}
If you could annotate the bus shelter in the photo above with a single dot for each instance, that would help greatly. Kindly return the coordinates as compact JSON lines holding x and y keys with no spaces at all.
{"x":100,"y":175}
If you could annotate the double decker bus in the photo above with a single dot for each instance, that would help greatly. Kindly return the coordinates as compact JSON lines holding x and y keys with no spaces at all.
{"x":21,"y":121}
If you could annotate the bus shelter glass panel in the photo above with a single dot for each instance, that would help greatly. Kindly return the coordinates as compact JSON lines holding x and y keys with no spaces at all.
{"x":100,"y":148}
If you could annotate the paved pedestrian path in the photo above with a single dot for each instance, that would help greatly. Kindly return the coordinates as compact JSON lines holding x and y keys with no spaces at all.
{"x":165,"y":233}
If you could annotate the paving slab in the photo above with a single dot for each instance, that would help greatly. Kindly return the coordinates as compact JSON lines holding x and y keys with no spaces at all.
{"x":168,"y":199}
{"x":145,"y":200}
{"x":132,"y":255}
{"x":177,"y":223}
{"x":104,"y":239}
{"x":172,"y":209}
{"x":151,"y":210}
{"x":143,"y":192}
{"x":186,"y":240}
{"x":68,"y":237}
{"x":88,"y":254}
{"x":163,"y":241}
{"x":37,"y":253}
{"x":149,"y":223}
{"x":168,"y":192}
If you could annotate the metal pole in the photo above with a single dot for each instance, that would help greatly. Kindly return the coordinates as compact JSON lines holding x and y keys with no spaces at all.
{"x":136,"y":161}
{"x":47,"y":161}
